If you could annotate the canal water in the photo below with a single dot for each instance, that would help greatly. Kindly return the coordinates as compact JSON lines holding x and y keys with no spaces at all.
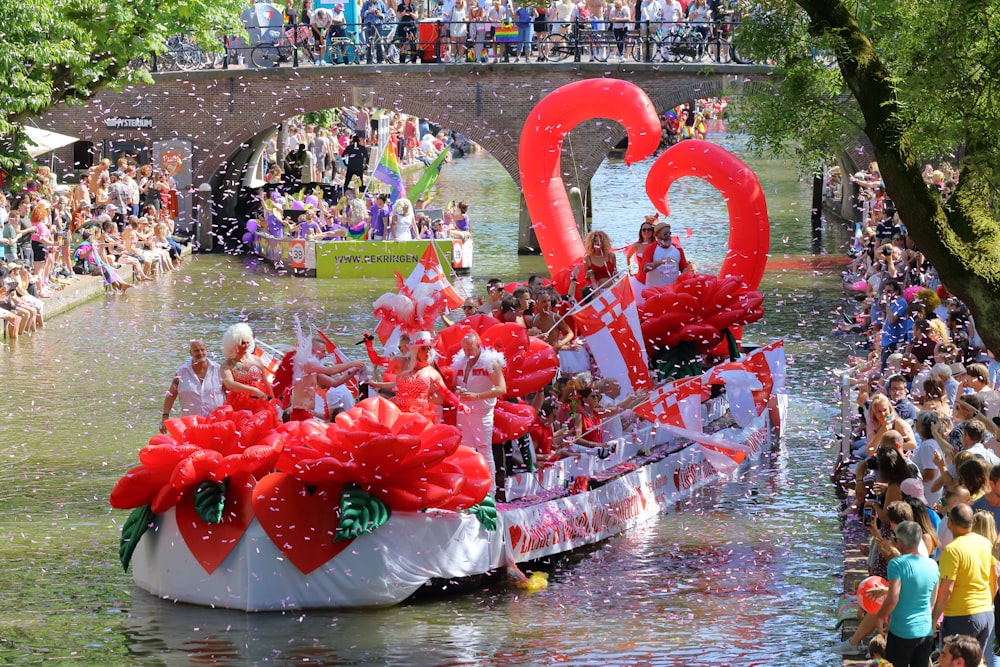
{"x":746,"y":573}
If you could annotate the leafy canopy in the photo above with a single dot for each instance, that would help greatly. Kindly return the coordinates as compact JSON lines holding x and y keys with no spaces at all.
{"x":67,"y":50}
{"x":943,"y":58}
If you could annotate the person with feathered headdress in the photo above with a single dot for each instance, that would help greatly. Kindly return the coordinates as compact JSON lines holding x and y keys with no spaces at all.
{"x":307,"y":368}
{"x":419,"y":385}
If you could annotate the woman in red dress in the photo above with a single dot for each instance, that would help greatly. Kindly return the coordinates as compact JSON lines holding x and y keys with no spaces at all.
{"x":419,"y":386}
{"x":244,"y":376}
{"x":599,"y":264}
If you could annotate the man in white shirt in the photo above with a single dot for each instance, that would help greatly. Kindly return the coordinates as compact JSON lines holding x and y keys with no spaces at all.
{"x":197,"y":384}
{"x":671,"y":13}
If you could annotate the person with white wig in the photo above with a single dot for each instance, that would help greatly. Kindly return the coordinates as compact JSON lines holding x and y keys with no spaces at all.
{"x":244,"y":375}
{"x":401,"y":221}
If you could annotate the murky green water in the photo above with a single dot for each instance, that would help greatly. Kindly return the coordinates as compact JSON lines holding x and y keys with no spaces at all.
{"x":744,"y":574}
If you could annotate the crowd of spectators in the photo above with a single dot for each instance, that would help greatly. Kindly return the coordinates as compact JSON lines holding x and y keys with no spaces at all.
{"x":318,"y":183}
{"x":54,"y":232}
{"x":341,"y":152}
{"x":926,"y":457}
{"x":480,"y":30}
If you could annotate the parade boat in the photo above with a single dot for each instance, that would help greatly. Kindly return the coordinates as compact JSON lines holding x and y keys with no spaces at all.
{"x":239,"y":510}
{"x":360,"y":259}
{"x":282,"y":545}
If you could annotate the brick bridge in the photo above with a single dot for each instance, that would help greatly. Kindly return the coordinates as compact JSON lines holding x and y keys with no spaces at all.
{"x":222,"y":111}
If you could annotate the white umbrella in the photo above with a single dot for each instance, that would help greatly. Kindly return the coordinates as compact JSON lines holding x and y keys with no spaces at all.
{"x":45,"y":141}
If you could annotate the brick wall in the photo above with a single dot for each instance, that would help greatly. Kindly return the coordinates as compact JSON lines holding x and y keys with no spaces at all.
{"x":218,"y":110}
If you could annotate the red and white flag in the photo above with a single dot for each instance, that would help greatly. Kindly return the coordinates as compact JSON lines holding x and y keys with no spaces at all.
{"x":741,"y":385}
{"x":723,"y":454}
{"x":429,"y":291}
{"x":677,"y":403}
{"x":610,"y":325}
{"x":339,"y":357}
{"x":768,"y":365}
{"x":270,"y":358}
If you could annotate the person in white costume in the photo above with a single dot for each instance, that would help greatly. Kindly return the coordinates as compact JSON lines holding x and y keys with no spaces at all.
{"x":480,"y":382}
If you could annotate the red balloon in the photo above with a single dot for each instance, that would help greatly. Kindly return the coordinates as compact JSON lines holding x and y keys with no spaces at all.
{"x":531,"y":363}
{"x":511,"y":420}
{"x":866,"y":585}
{"x":541,"y":143}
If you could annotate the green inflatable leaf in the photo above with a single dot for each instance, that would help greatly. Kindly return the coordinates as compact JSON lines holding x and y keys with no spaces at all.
{"x":135,"y":526}
{"x":209,"y":500}
{"x":486,"y":512}
{"x":360,"y":513}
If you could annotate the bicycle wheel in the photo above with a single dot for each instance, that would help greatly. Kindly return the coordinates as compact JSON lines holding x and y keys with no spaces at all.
{"x":557,"y":47}
{"x":188,"y":57}
{"x":265,"y":55}
{"x":734,"y":54}
{"x":391,"y":52}
{"x":600,"y":46}
{"x":658,"y":51}
{"x":690,"y":48}
{"x":635,"y":50}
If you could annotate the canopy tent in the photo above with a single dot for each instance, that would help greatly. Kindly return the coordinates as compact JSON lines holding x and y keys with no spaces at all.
{"x":42,"y":141}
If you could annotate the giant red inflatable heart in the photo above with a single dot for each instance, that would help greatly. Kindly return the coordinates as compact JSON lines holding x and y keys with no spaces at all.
{"x":301,"y":521}
{"x":210,"y":543}
{"x":545,"y":194}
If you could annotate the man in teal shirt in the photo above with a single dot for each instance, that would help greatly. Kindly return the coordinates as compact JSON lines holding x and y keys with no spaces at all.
{"x":913,"y":582}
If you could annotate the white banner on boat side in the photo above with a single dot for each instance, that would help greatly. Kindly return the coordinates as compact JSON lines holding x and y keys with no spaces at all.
{"x":585,"y":518}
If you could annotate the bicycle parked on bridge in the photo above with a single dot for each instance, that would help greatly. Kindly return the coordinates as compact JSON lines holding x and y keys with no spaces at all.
{"x":558,"y":46}
{"x":380,"y":40}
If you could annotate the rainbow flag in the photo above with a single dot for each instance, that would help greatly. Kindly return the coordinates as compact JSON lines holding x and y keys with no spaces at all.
{"x":356,"y":232}
{"x":430,"y":175}
{"x":387,"y":171}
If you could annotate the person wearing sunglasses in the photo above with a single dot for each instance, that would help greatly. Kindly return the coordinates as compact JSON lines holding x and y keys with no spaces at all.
{"x":469,"y":308}
{"x":663,"y":261}
{"x":635,"y":250}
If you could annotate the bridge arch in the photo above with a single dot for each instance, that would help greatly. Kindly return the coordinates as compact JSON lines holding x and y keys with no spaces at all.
{"x":218,"y":111}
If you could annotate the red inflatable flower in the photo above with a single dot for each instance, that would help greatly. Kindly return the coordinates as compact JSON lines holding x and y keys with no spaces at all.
{"x":399,"y":457}
{"x":697,"y":308}
{"x":531,"y":363}
{"x":195,"y":449}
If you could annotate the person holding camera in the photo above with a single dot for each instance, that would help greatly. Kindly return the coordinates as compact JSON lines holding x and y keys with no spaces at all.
{"x":406,"y":33}
{"x":373,"y":13}
{"x":897,"y":324}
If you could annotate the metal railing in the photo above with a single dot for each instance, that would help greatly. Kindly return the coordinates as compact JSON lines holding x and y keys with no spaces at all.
{"x":436,"y":41}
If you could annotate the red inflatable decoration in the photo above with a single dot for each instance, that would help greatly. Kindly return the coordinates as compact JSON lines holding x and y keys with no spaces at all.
{"x":195,"y":449}
{"x":291,"y":476}
{"x":531,"y":362}
{"x":749,"y":228}
{"x":511,"y":421}
{"x":541,"y":143}
{"x":552,"y":218}
{"x":696,"y":308}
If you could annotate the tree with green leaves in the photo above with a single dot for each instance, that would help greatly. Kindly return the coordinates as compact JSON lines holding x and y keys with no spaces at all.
{"x":919,"y":79}
{"x":65,"y":51}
